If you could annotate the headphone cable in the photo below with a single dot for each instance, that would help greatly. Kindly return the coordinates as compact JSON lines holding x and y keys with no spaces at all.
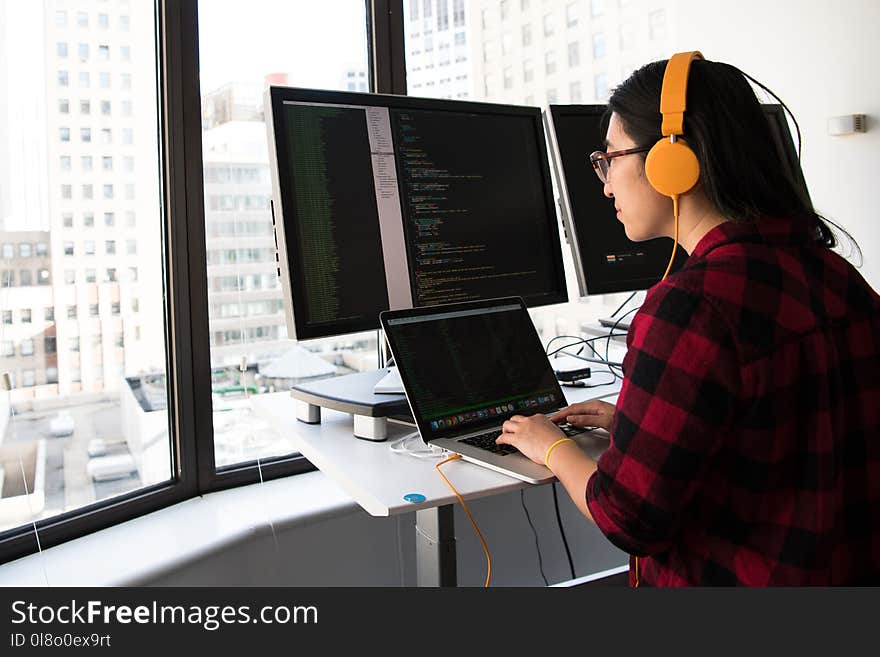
{"x":562,"y":530}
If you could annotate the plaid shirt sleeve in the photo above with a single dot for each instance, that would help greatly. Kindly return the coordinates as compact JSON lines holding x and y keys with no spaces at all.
{"x":680,"y":392}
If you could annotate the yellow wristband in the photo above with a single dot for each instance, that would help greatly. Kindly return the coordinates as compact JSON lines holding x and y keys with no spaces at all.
{"x":554,"y":446}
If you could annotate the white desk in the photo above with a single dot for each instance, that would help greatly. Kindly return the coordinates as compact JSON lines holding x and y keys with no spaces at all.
{"x":378,"y":479}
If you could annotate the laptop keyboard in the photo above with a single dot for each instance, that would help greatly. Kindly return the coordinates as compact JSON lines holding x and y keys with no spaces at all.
{"x":487,"y":440}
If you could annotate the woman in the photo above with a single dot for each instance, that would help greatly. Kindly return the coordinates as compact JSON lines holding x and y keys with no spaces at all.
{"x":745,"y":443}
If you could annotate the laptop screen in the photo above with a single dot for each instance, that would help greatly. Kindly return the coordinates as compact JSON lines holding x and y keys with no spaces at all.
{"x":469,"y":366}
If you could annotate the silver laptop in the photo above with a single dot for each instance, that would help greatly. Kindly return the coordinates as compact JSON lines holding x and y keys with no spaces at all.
{"x":468,"y":367}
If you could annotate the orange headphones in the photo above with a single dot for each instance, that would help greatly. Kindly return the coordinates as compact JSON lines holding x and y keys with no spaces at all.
{"x":672,"y":167}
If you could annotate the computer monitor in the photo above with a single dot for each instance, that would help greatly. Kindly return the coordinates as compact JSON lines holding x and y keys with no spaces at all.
{"x":605,"y":259}
{"x":388,"y":202}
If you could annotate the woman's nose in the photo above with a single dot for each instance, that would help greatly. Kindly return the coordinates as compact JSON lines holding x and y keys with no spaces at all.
{"x":606,"y":189}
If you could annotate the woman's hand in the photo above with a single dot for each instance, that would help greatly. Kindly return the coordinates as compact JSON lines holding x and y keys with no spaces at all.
{"x":592,"y":413}
{"x":530,"y":435}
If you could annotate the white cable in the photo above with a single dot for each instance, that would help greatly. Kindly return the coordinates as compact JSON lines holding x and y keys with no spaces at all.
{"x":402,"y":446}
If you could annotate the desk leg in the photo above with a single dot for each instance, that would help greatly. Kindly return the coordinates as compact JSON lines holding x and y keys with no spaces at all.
{"x":435,"y":546}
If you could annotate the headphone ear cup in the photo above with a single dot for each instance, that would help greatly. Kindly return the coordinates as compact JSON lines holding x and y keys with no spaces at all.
{"x":672,"y":168}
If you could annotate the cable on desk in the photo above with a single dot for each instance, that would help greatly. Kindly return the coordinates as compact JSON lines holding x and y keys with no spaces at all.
{"x":522,"y":499}
{"x":402,"y":446}
{"x":562,"y":530}
{"x":464,"y":506}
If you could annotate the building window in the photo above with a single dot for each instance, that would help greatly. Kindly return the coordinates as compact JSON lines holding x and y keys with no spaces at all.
{"x":83,"y":52}
{"x":657,"y":24}
{"x":69,"y":276}
{"x":25,"y":249}
{"x":50,"y":345}
{"x":551,"y":96}
{"x":85,"y":162}
{"x":508,"y":77}
{"x":110,"y":247}
{"x":527,"y":34}
{"x":103,"y":21}
{"x":109,"y":219}
{"x":549,"y":62}
{"x":572,"y":12}
{"x":26,"y":314}
{"x":126,"y":80}
{"x":85,"y":135}
{"x":107,"y":163}
{"x":528,"y":70}
{"x":66,"y":192}
{"x":574,"y":54}
{"x":67,"y":219}
{"x":599,"y":49}
{"x":65,"y":163}
{"x":64,"y":134}
{"x":87,"y":192}
{"x":7,"y":316}
{"x":82,"y":19}
{"x":126,"y":108}
{"x":627,"y":36}
{"x":89,"y":247}
{"x":115,"y":308}
{"x":128,"y":164}
{"x":597,"y":8}
{"x":124,"y":23}
{"x":506,"y":43}
{"x":28,"y":378}
{"x":73,"y":343}
{"x":91,"y":276}
{"x":8,"y":280}
{"x":106,"y":136}
{"x":104,"y":80}
{"x":125,"y":53}
{"x":108,"y":191}
{"x":85,"y":80}
{"x":63,"y":106}
{"x":61,"y":49}
{"x":8,"y":348}
{"x":600,"y":86}
{"x":42,"y":249}
{"x":71,"y":312}
{"x":93,"y":310}
{"x":60,"y":19}
{"x":25,"y":278}
{"x":105,"y":107}
{"x":548,"y":25}
{"x":110,"y":275}
{"x":104,"y":53}
{"x":88,"y":219}
{"x":27,"y":347}
{"x":44,"y":277}
{"x":51,"y":375}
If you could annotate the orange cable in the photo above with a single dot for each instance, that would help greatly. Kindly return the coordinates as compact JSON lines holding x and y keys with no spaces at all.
{"x":675,"y":239}
{"x":455,"y":457}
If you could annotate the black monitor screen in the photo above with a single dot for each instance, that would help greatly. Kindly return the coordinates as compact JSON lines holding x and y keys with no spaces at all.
{"x":608,"y":261}
{"x":398,"y":202}
{"x":466,"y":366}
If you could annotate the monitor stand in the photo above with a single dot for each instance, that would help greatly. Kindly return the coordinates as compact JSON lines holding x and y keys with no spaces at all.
{"x":390,"y":384}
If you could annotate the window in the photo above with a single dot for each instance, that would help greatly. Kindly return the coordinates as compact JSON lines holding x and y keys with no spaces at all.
{"x":41,"y":249}
{"x":88,"y":219}
{"x":657,"y":25}
{"x":107,"y":163}
{"x":114,"y":308}
{"x":124,"y":23}
{"x":574,"y":54}
{"x":7,"y":317}
{"x":85,"y":163}
{"x":131,"y":247}
{"x":8,"y":280}
{"x":600,"y":85}
{"x":91,"y":276}
{"x":84,"y":79}
{"x":127,"y":136}
{"x":549,"y":62}
{"x":125,"y":80}
{"x":106,"y":136}
{"x":110,"y":275}
{"x":63,"y":79}
{"x":65,"y":163}
{"x":26,"y":314}
{"x":597,"y":8}
{"x":69,"y":276}
{"x":82,"y":19}
{"x":51,"y":375}
{"x":8,"y":349}
{"x":64,"y":134}
{"x":508,"y":77}
{"x":104,"y":80}
{"x":527,"y":34}
{"x":627,"y":37}
{"x":67,"y":192}
{"x":25,"y":278}
{"x":28,"y":378}
{"x":43,"y":277}
{"x":551,"y":96}
{"x":8,"y":251}
{"x":93,"y":310}
{"x":109,"y":219}
{"x":572,"y":11}
{"x":103,"y":53}
{"x":85,"y":107}
{"x":73,"y":344}
{"x":85,"y":135}
{"x":599,"y":49}
{"x":125,"y":53}
{"x":103,"y":21}
{"x":61,"y":49}
{"x":528,"y":70}
{"x":548,"y":25}
{"x":87,"y":192}
{"x":83,"y":52}
{"x":71,"y":312}
{"x":126,"y":108}
{"x":110,"y":247}
{"x":63,"y":106}
{"x":89,"y":247}
{"x":60,"y":19}
{"x":50,"y":345}
{"x":108,"y":191}
{"x":49,"y":314}
{"x":67,"y":219}
{"x":506,"y":43}
{"x":128,"y":164}
{"x":27,"y":347}
{"x":105,"y":107}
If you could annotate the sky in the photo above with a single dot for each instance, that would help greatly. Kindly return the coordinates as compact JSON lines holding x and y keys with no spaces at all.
{"x":238,"y":43}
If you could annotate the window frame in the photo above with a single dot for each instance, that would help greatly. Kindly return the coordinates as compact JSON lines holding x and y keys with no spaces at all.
{"x":188,"y":368}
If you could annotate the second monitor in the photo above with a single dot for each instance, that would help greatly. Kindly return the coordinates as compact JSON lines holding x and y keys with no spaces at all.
{"x":388,"y":202}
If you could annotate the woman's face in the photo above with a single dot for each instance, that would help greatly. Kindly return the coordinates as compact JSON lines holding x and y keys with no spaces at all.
{"x":643,"y":211}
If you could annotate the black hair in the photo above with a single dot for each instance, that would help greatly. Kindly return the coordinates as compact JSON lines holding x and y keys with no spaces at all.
{"x":740,"y":168}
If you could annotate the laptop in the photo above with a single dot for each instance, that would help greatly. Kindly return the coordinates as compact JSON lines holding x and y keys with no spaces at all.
{"x":468,"y":367}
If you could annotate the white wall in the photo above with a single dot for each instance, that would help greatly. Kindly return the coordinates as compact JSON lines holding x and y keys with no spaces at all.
{"x":821,"y":58}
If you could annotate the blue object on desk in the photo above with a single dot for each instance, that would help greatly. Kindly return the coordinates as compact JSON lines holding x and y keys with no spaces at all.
{"x":414,"y":497}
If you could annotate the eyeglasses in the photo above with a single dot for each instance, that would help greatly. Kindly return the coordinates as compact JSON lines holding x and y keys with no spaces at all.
{"x":602,"y":161}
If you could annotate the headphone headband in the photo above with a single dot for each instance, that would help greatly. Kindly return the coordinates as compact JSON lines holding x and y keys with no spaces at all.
{"x":673,"y":97}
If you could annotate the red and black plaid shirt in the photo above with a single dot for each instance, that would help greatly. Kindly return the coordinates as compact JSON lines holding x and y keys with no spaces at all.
{"x":746,"y":443}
